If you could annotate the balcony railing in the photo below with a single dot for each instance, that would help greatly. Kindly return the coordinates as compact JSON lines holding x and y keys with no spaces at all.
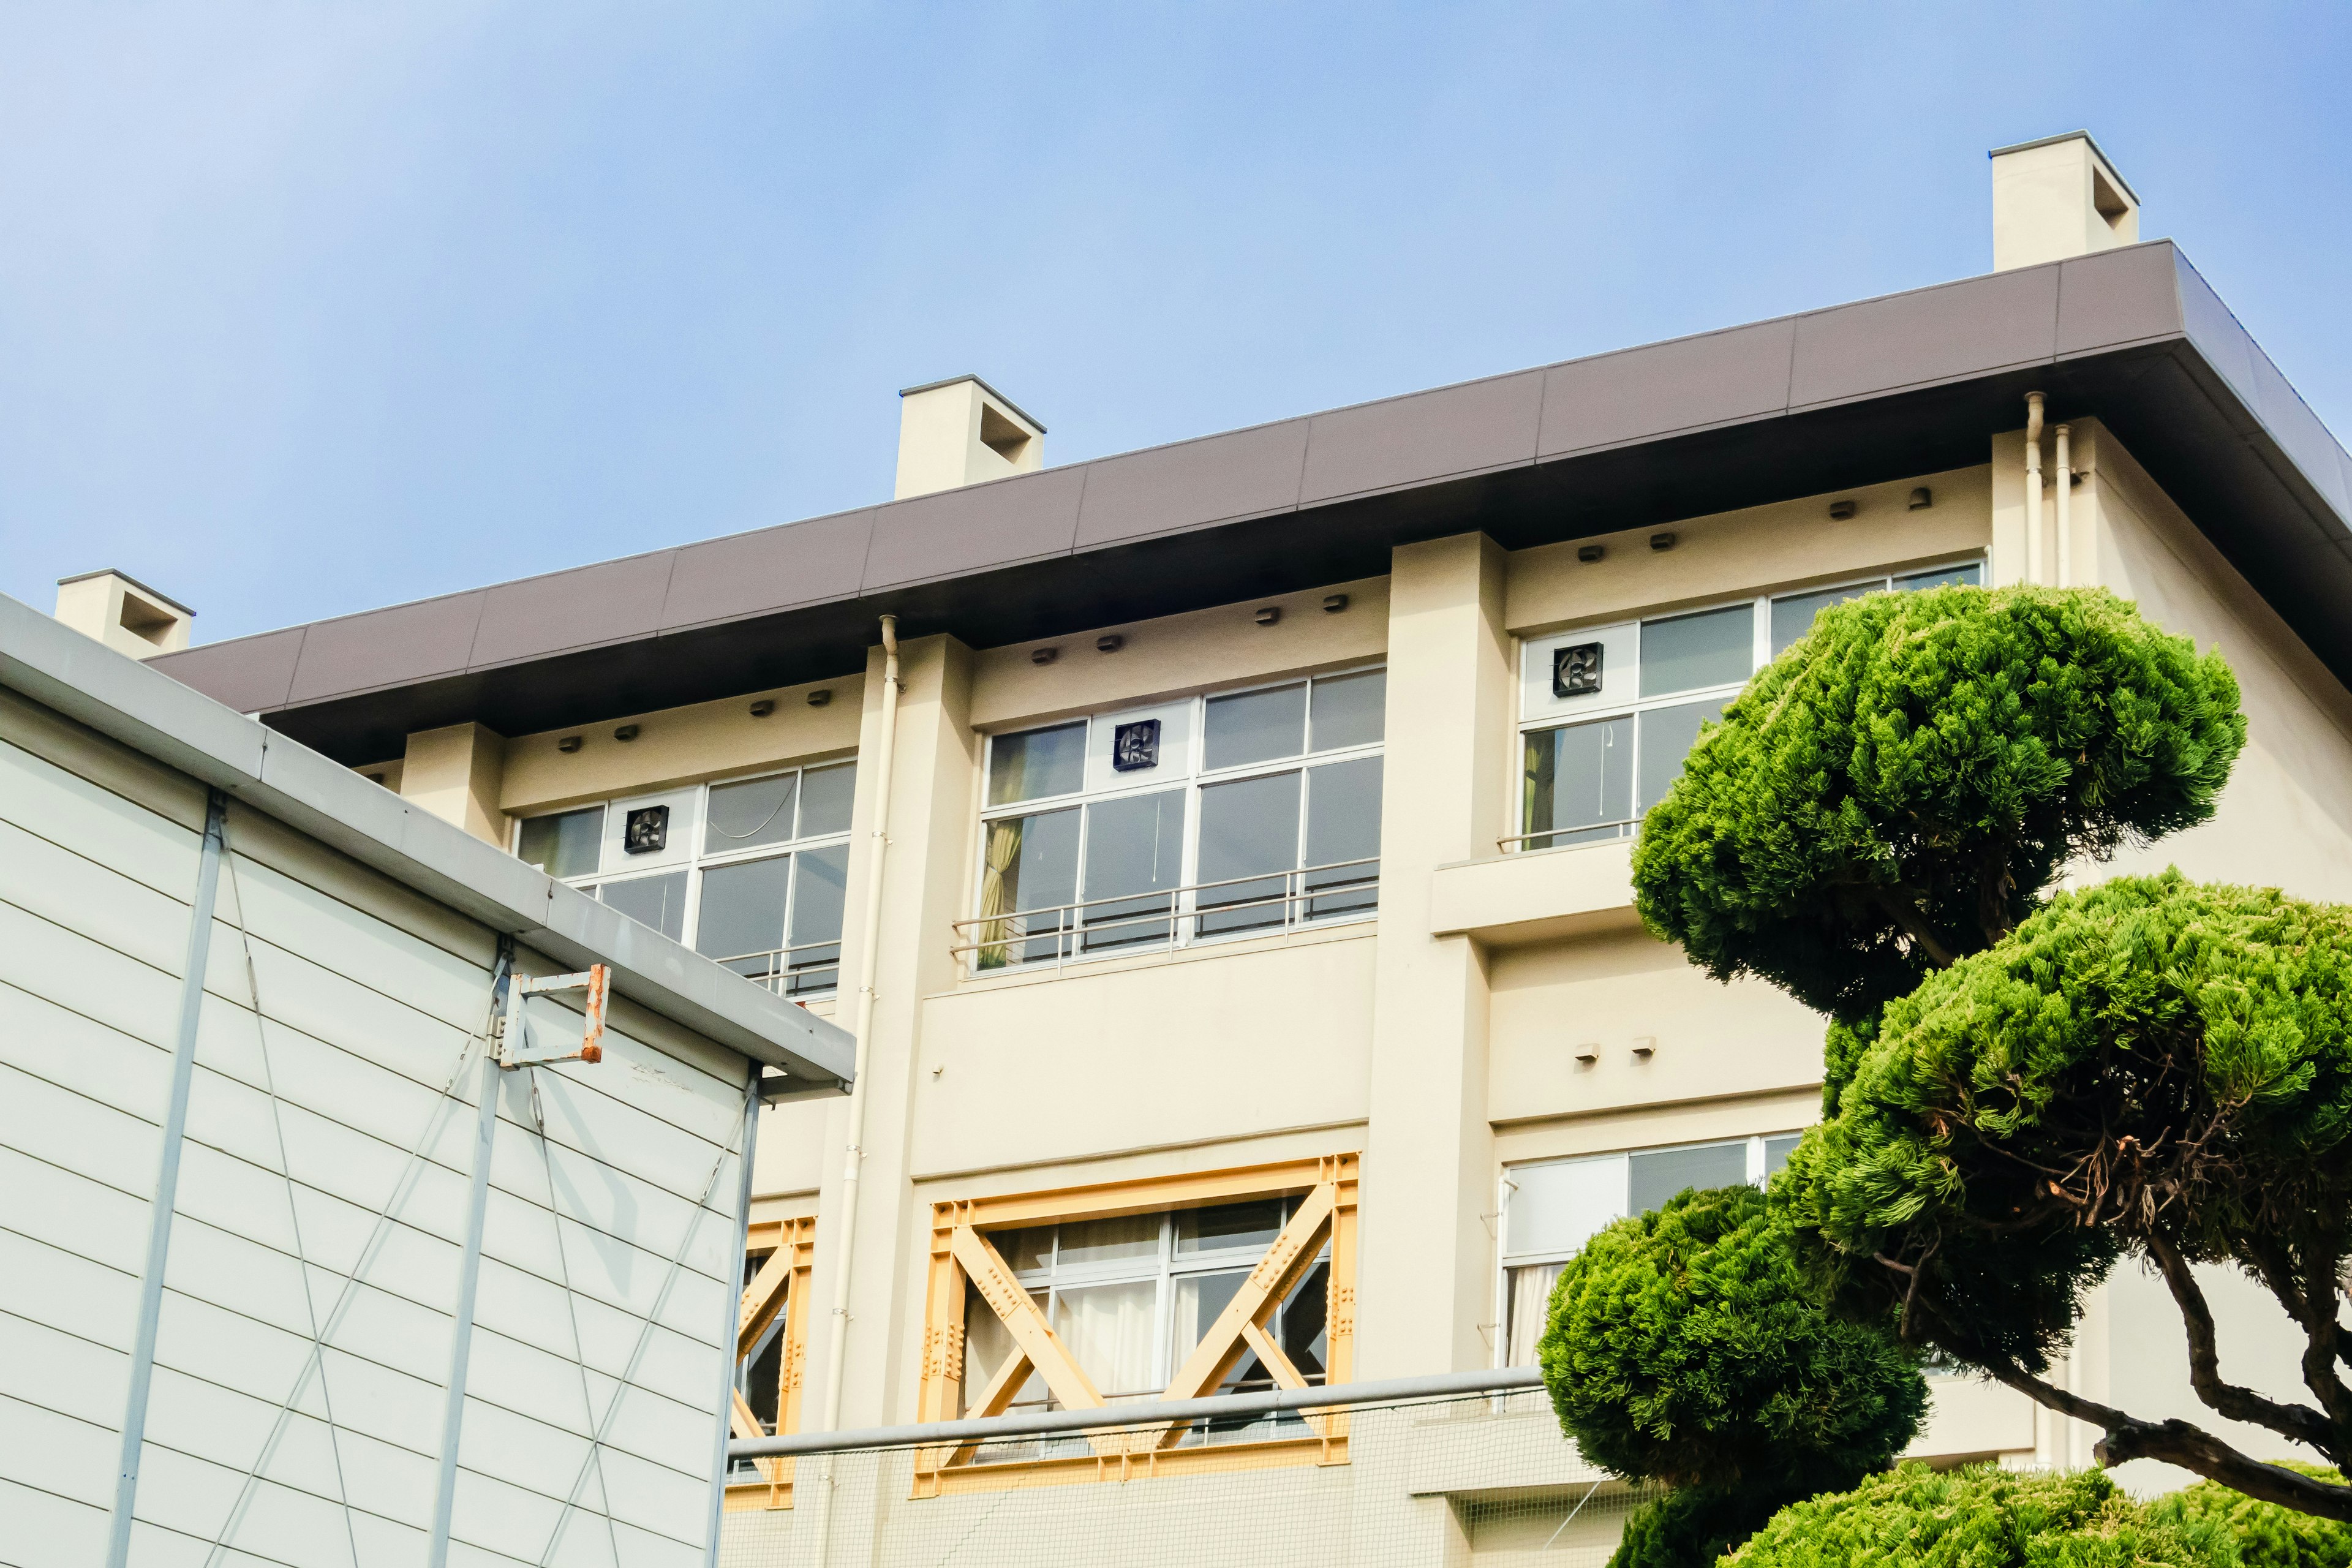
{"x":1563,"y":838}
{"x":809,"y":968}
{"x":1266,"y":903}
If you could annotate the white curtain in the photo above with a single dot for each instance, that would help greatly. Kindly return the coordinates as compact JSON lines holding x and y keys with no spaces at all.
{"x":1531,"y":1294}
{"x":1109,"y":1329}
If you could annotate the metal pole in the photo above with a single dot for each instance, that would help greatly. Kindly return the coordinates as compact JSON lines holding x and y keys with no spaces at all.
{"x":731,"y":1324}
{"x":1221,"y":1406}
{"x":167,"y":1176}
{"x":507,"y":1017}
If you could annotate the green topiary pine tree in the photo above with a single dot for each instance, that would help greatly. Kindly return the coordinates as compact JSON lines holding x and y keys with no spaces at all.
{"x":1896,"y":790}
{"x":2148,"y":1068}
{"x":1681,"y":1347}
{"x":1985,"y":1517}
{"x":2152,"y":1067}
{"x":2268,"y":1536}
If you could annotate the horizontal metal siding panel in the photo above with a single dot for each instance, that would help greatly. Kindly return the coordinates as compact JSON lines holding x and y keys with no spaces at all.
{"x":45,"y":1365}
{"x":180,"y":1492}
{"x":46,"y":961}
{"x":43,"y":797}
{"x":68,"y":1210}
{"x":76,"y":1133}
{"x":298,"y":919}
{"x":44,"y":1285}
{"x":42,"y":1530}
{"x":80,"y":894}
{"x":64,"y":1047}
{"x":57,"y":1453}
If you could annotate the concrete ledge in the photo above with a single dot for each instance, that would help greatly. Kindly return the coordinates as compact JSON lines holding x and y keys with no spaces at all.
{"x":1537,"y":895}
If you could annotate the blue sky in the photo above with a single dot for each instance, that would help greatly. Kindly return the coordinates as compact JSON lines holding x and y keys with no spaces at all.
{"x":310,"y":307}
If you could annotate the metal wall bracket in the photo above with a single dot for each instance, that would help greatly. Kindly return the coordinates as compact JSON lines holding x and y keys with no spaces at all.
{"x":517,"y":1049}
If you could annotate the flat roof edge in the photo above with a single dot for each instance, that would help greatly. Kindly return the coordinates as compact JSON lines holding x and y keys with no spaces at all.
{"x":148,"y":712}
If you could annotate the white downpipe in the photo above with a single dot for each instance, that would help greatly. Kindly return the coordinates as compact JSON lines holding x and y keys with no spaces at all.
{"x":846,"y":1233}
{"x":2064,"y":478}
{"x":2034,"y":562}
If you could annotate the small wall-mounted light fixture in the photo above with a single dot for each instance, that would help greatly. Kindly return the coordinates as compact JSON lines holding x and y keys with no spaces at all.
{"x":1586,"y":1054}
{"x":762,"y":708}
{"x":2075,"y":476}
{"x":1661,"y":542}
{"x":1110,"y":643}
{"x":570,"y":743}
{"x":1268,"y":615}
{"x":1644,"y":1046}
{"x":820,"y":697}
{"x":1842,"y":510}
{"x":1922,"y":499}
{"x":1044,"y":655}
{"x":1334,"y":603}
{"x":625,"y":732}
{"x":1588,"y":553}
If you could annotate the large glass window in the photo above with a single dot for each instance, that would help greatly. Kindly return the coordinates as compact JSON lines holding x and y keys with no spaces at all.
{"x":1217,"y":815}
{"x":1609,"y":715}
{"x":751,"y":872}
{"x":1552,"y":1207}
{"x":1133,"y":1296}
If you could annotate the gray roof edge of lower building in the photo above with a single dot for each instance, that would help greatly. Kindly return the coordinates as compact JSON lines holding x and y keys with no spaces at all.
{"x":148,"y":712}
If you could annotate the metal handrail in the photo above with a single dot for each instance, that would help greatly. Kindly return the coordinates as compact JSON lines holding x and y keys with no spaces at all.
{"x":1181,"y":903}
{"x":779,"y":975}
{"x":1505,"y":843}
{"x":1163,"y":1412}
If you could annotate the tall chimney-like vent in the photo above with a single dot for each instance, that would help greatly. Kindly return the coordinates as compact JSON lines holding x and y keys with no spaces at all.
{"x":2055,"y":198}
{"x":960,"y":431}
{"x":123,"y":613}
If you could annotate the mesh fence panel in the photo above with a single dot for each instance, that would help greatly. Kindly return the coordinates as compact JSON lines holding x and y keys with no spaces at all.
{"x":1487,"y":1480}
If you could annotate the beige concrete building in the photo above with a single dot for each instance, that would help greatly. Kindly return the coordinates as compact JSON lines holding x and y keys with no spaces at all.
{"x":1222,"y":850}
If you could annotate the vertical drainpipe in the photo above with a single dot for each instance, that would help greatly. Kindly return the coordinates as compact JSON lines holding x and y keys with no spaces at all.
{"x":2034,"y":486}
{"x":846,"y":1233}
{"x":731,"y":1329}
{"x":2064,"y":480}
{"x":167,"y":1176}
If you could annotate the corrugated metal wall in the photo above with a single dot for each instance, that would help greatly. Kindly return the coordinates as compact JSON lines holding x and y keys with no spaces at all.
{"x":303,"y":1342}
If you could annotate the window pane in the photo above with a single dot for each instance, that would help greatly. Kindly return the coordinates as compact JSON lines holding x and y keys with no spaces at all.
{"x":1256,"y":726}
{"x":1349,"y":710}
{"x":826,"y":795}
{"x":1972,"y":574}
{"x":1248,"y":825}
{"x":1037,"y":762}
{"x":1792,"y":618}
{"x":986,"y":1344}
{"x":1529,"y":1304}
{"x":1303,"y":1312}
{"x":1029,"y":863}
{"x":1110,"y":1329}
{"x":1253,"y":1225}
{"x":1024,"y":1251}
{"x":1579,"y":781}
{"x":1775,"y":1154}
{"x":1557,"y":1207}
{"x":1108,"y":1240}
{"x":1714,"y":647}
{"x":1200,"y":1297}
{"x":1343,"y":832}
{"x":743,"y":912}
{"x":657,"y":901}
{"x":821,"y":877}
{"x":1133,"y":846}
{"x":1668,"y":736}
{"x":755,"y":811}
{"x":565,"y":844}
{"x":1658,"y":1175}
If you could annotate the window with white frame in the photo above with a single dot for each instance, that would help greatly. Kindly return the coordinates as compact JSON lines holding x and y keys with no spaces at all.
{"x":1608,"y":713}
{"x":1132,"y":1296}
{"x":750,"y":871}
{"x":1222,"y":814}
{"x":1551,"y":1208}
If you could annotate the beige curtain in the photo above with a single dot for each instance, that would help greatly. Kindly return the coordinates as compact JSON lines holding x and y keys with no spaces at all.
{"x":1531,"y":1286}
{"x":999,"y":888}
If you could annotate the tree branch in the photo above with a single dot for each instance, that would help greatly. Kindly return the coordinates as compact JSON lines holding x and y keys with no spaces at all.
{"x":1906,"y":914}
{"x":2178,"y":1443}
{"x":2229,"y":1399}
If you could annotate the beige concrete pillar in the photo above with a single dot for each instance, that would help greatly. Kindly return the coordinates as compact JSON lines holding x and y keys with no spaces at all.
{"x":455,"y":772}
{"x":1426,"y":1287}
{"x":930,"y":825}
